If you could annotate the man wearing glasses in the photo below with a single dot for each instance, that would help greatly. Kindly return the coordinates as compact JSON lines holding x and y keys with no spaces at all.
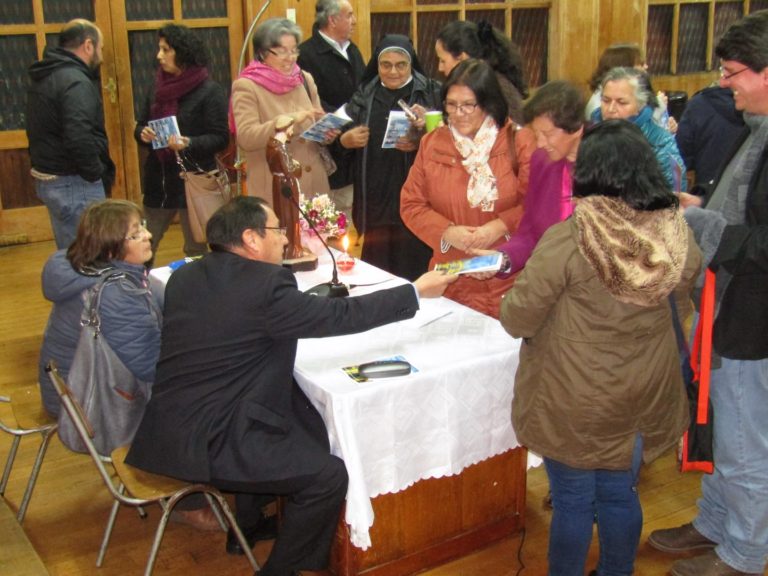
{"x":731,"y":227}
{"x":225,"y":409}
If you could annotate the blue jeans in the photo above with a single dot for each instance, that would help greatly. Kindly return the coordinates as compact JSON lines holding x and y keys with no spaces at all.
{"x":66,"y":198}
{"x":733,"y":508}
{"x":581,"y":497}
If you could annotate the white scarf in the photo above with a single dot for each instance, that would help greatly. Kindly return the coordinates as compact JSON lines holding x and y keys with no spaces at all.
{"x":481,"y":189}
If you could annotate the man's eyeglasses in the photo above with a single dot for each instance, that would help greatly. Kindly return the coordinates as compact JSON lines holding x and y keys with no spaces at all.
{"x":283,"y":53}
{"x":725,"y":75}
{"x":465,"y":108}
{"x":283,"y":230}
{"x":399,"y":66}
{"x":141,"y":233}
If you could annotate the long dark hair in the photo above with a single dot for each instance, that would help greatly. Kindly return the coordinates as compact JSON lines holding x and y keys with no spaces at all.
{"x":478,"y":76}
{"x":616,"y":160}
{"x":484,"y":42}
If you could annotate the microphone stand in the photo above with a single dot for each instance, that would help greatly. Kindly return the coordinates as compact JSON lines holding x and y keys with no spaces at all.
{"x":334,"y":288}
{"x":240,"y":66}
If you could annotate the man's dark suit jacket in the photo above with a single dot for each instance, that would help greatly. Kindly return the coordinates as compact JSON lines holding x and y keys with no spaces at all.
{"x":224,"y":403}
{"x":337,"y":79}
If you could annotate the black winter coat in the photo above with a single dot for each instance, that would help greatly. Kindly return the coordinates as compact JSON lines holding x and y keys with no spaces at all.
{"x":65,"y":119}
{"x":426,"y":92}
{"x":337,"y":79}
{"x":202,"y":117}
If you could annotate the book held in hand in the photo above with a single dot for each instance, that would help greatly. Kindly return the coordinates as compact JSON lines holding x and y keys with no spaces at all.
{"x":398,"y":126}
{"x":331,"y":121}
{"x":486,"y":263}
{"x":164,"y":128}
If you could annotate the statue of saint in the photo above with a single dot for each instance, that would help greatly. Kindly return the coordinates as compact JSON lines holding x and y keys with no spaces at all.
{"x":285,"y":178}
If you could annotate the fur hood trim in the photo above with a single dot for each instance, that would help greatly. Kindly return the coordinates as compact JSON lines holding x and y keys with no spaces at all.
{"x":638,"y":255}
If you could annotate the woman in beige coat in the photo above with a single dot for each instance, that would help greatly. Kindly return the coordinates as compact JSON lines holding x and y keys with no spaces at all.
{"x":599,"y":387}
{"x":270,"y":86}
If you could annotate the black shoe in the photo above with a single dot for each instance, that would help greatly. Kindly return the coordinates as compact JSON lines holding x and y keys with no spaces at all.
{"x":264,"y":530}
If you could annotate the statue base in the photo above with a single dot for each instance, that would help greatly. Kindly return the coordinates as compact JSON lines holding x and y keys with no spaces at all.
{"x":304,"y":263}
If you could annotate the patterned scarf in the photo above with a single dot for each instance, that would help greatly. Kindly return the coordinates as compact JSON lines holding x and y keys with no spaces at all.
{"x":481,"y":189}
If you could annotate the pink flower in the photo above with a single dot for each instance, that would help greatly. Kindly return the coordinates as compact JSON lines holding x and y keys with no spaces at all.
{"x":342,"y":220}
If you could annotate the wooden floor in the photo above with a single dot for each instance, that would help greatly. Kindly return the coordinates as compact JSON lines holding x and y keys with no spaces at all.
{"x":69,"y":508}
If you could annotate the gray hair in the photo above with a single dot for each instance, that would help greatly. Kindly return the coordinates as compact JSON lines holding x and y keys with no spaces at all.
{"x":269,"y":32}
{"x":324,"y":9}
{"x":638,"y":80}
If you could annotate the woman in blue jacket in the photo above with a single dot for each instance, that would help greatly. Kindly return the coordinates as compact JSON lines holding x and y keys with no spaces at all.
{"x":627,"y":94}
{"x":111,"y":236}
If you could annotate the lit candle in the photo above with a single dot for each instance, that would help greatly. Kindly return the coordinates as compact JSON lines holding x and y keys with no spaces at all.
{"x":345,"y":262}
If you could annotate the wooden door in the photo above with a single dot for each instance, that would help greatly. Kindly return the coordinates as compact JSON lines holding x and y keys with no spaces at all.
{"x":130,"y":45}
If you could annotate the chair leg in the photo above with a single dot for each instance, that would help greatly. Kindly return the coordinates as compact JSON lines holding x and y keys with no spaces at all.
{"x":9,"y":464}
{"x":238,"y":533}
{"x":216,"y":512}
{"x":159,"y":533}
{"x":45,"y":440}
{"x":108,"y":528}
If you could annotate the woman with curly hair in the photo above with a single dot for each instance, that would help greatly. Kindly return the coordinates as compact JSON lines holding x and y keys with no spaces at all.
{"x":461,"y":40}
{"x":182,"y":89}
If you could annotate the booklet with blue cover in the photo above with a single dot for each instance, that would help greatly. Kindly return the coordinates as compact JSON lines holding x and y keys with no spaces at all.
{"x":331,"y":121}
{"x":485,"y":263}
{"x":164,"y":128}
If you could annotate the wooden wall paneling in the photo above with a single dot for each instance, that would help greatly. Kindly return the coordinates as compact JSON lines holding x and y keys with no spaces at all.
{"x":572,"y":52}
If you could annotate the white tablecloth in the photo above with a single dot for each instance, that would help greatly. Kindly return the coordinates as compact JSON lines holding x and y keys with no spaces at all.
{"x":391,"y":433}
{"x":452,"y":413}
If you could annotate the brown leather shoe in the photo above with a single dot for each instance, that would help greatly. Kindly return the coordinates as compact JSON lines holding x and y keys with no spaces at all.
{"x":677,"y":540}
{"x":708,"y":564}
{"x":202,"y":519}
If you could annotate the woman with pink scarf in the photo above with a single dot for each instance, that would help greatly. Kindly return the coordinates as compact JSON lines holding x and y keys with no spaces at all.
{"x":273,"y":85}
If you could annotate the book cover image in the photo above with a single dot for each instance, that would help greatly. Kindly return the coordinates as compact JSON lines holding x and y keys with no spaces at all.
{"x":354,"y":373}
{"x":485,"y":263}
{"x":164,"y":128}
{"x":331,"y":121}
{"x":397,"y":127}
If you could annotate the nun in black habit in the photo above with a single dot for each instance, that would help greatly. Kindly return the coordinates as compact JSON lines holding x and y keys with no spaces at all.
{"x":393,"y":73}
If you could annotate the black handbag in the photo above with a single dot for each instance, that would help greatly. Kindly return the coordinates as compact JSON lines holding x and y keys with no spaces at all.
{"x":111,"y":397}
{"x":697,"y":449}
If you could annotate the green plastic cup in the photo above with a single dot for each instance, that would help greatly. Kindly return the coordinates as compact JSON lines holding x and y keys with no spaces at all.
{"x":432,"y":119}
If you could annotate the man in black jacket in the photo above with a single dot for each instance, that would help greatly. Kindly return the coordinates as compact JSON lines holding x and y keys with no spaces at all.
{"x":336,"y":66}
{"x":731,"y":227}
{"x":225,"y":408}
{"x":65,"y":127}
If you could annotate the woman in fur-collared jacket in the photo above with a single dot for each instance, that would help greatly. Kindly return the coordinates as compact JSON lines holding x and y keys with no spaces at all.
{"x":599,"y":388}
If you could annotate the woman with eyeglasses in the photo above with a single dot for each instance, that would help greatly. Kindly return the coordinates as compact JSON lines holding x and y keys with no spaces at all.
{"x":466,"y":188}
{"x":273,"y":85}
{"x":183,"y":88}
{"x":394,"y":73}
{"x":111,"y":236}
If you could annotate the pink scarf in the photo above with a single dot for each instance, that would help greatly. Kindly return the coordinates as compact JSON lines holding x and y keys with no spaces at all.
{"x":269,"y":78}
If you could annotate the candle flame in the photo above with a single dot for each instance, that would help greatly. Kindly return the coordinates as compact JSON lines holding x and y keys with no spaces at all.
{"x":345,"y":242}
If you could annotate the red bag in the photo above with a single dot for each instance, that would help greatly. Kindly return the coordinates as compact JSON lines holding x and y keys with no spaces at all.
{"x":697,"y":453}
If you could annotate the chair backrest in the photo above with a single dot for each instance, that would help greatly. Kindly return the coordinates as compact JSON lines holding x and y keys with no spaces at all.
{"x":84,"y":428}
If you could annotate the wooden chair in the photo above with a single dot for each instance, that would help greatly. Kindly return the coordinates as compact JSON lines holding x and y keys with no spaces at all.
{"x":137,"y":487}
{"x":30,"y":418}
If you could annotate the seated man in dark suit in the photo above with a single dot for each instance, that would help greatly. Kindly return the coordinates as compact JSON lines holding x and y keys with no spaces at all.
{"x":225,"y":409}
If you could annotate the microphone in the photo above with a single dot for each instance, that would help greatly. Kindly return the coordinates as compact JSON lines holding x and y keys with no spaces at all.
{"x":334,"y":288}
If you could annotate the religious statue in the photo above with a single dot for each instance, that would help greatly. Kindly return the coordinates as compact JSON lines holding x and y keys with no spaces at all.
{"x":286,"y":172}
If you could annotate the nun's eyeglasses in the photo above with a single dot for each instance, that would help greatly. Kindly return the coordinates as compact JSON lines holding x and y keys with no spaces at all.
{"x":401,"y":66}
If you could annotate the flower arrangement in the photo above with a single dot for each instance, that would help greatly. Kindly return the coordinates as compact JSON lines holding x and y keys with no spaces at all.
{"x":322,"y":211}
